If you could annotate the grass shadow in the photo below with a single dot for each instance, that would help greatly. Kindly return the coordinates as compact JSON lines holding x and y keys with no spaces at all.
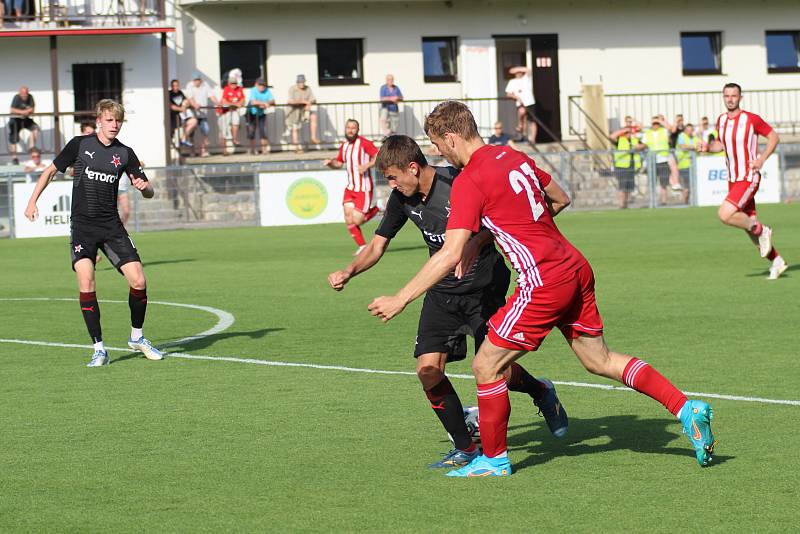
{"x":105,"y":265}
{"x":765,"y":273}
{"x":201,"y":343}
{"x":622,"y":432}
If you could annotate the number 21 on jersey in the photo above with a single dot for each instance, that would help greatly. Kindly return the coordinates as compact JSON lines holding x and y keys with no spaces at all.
{"x":519,"y":181}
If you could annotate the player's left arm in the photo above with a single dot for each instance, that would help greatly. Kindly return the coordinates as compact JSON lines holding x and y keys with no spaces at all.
{"x":436,"y":268}
{"x":557,"y":199}
{"x":764,"y":129}
{"x":472,"y":250}
{"x":372,"y":152}
{"x":138,"y":177}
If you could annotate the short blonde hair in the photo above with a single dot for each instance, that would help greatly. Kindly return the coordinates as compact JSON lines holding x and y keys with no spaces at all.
{"x":451,"y":116}
{"x":113,"y":106}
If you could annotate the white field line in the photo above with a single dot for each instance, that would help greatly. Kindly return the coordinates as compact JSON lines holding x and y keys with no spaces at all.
{"x":254,"y":361}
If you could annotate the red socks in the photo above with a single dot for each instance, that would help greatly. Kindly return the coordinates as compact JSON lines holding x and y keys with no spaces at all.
{"x":355,"y":231}
{"x":495,"y":408}
{"x":772,"y":254}
{"x":373,"y":211}
{"x":638,"y":375}
{"x":757,"y":229}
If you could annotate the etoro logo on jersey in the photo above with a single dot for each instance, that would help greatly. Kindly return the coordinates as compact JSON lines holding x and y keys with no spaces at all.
{"x":100,"y":176}
{"x":307,"y":198}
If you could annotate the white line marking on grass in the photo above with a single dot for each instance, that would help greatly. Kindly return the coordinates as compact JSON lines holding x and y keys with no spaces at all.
{"x":254,"y":361}
{"x":224,"y":319}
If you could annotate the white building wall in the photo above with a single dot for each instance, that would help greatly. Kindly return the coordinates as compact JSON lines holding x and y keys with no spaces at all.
{"x":630,"y":47}
{"x":142,"y":96}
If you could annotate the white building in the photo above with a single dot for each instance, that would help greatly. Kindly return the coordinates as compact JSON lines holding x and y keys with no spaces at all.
{"x":438,"y":50}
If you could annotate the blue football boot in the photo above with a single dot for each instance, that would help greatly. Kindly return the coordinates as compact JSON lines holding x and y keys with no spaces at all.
{"x":696,"y":418}
{"x":483,"y":466}
{"x":456,"y":458}
{"x":551,"y":408}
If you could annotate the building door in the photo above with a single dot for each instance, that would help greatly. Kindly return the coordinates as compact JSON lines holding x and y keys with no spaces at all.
{"x":511,"y":52}
{"x":544,"y":63}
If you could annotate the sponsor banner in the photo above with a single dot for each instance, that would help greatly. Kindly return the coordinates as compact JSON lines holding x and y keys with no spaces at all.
{"x":712,"y":181}
{"x":54,"y":206}
{"x":304,"y":197}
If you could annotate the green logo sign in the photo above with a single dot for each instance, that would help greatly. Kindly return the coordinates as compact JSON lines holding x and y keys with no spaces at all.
{"x":307,"y":198}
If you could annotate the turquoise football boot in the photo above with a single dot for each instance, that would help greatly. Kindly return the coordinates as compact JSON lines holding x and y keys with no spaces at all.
{"x":696,"y":418}
{"x":483,"y":466}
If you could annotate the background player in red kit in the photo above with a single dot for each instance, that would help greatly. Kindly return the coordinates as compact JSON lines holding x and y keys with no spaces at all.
{"x":503,"y":190}
{"x":357,"y":155}
{"x":738,"y":137}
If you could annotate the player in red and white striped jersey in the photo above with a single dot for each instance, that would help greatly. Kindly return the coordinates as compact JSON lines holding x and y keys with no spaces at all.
{"x":738,"y":136}
{"x":503,"y":190}
{"x":357,"y":155}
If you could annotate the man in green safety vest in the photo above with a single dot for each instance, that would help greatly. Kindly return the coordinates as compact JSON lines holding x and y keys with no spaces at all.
{"x":627,"y":158}
{"x":657,"y":141}
{"x":686,"y":143}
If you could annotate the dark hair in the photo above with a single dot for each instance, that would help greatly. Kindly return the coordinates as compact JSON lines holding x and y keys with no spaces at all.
{"x":353,"y":120}
{"x":35,"y":150}
{"x":451,"y":116}
{"x":732,"y":86}
{"x":399,"y":151}
{"x":174,"y":81}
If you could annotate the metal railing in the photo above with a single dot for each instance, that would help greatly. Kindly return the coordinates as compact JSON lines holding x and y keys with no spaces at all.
{"x":218,"y":195}
{"x":44,"y":135}
{"x":331,"y":119}
{"x":779,"y":107}
{"x":48,"y":14}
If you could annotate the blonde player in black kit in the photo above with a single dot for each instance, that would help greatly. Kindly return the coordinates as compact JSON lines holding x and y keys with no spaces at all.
{"x":461,"y":303}
{"x":100,"y":160}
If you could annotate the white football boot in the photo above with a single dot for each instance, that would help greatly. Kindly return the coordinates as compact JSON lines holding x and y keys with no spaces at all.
{"x":765,"y":241}
{"x":777,"y":268}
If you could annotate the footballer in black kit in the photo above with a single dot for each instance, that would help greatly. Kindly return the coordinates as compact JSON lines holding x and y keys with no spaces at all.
{"x":459,"y":304}
{"x":455,"y":306}
{"x":99,"y":161}
{"x":95,"y":220}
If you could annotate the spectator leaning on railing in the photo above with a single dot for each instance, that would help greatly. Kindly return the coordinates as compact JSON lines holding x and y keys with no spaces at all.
{"x":302,"y":103}
{"x":390,"y":112}
{"x":687,"y":143}
{"x":199,"y":94}
{"x":500,"y":138}
{"x":181,"y":113}
{"x":22,"y":107}
{"x":230,"y":103}
{"x":657,"y":141}
{"x":520,"y":88}
{"x":627,"y":158}
{"x":34,"y":166}
{"x":260,"y":100}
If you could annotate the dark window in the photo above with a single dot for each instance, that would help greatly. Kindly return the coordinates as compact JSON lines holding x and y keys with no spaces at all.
{"x":783,"y":51}
{"x":92,"y":82}
{"x":439,"y":56}
{"x":250,"y":56}
{"x":339,"y":61}
{"x":701,"y":52}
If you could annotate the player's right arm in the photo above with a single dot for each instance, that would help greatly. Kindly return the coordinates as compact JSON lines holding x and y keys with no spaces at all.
{"x":31,"y":211}
{"x":364,"y":261}
{"x":64,"y":159}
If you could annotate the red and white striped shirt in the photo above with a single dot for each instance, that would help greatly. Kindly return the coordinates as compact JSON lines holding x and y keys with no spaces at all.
{"x":359,"y":152}
{"x":739,"y":136}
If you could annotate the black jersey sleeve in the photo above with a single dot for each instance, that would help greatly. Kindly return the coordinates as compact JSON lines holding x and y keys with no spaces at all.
{"x":68,"y":154}
{"x":393,"y":218}
{"x":134,"y":168}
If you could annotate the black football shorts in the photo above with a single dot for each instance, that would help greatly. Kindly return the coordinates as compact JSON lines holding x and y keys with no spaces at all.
{"x":110,"y":237}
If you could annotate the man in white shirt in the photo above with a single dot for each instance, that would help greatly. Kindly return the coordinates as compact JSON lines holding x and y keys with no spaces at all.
{"x":520,"y":88}
{"x":34,"y":166}
{"x":199,"y":94}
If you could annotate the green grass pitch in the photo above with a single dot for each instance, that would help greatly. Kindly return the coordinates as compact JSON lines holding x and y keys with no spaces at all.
{"x":220,"y":446}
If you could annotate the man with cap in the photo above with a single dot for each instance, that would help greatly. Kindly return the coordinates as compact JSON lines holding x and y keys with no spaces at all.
{"x":232,"y":100}
{"x":199,"y":94}
{"x":259,"y":101}
{"x":301,"y":101}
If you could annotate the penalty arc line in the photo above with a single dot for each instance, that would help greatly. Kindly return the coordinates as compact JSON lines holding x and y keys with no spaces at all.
{"x":254,"y":361}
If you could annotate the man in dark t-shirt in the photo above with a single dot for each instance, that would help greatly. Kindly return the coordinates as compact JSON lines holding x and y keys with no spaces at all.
{"x":99,"y":161}
{"x":459,"y":304}
{"x":22,"y":108}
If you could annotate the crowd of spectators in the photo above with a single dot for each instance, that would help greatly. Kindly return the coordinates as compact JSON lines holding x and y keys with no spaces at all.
{"x":671,"y":144}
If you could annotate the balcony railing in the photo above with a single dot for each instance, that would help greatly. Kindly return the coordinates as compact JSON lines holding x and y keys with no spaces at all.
{"x":55,"y":14}
{"x":779,"y":107}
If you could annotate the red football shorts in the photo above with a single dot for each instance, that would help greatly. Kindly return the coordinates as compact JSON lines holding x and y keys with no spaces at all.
{"x":530,"y":314}
{"x":362,"y":200}
{"x":743,"y":194}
